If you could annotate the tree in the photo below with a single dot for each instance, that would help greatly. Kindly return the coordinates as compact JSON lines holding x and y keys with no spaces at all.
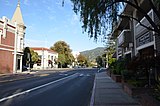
{"x":82,"y":60}
{"x":61,"y":59}
{"x":110,"y":49}
{"x":98,"y":16}
{"x":30,"y":57}
{"x":65,"y":56}
{"x":34,"y":57}
{"x":26,"y":56}
{"x":99,"y":61}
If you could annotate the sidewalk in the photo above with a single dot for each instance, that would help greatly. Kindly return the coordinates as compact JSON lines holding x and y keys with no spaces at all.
{"x":107,"y":92}
{"x":28,"y":74}
{"x":13,"y":77}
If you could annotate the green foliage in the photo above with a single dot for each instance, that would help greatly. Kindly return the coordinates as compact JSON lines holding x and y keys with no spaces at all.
{"x":97,"y":15}
{"x":65,"y":56}
{"x":118,"y":66}
{"x":156,"y":92}
{"x":99,"y":61}
{"x":61,"y":59}
{"x":92,"y":54}
{"x":82,"y":60}
{"x":100,"y":16}
{"x":30,"y":57}
{"x":26,"y":57}
{"x":110,"y":49}
{"x":136,"y":83}
{"x":34,"y":56}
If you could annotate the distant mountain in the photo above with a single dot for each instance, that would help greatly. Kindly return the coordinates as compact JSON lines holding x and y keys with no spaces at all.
{"x":92,"y":54}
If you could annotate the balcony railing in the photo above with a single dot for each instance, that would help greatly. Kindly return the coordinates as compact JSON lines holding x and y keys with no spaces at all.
{"x":124,"y":38}
{"x":140,"y":30}
{"x":142,"y":34}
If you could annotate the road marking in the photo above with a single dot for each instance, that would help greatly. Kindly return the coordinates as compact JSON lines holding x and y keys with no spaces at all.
{"x":43,"y":75}
{"x":38,"y":87}
{"x":81,"y":75}
{"x":93,"y":92}
{"x":88,"y":75}
{"x":63,"y":74}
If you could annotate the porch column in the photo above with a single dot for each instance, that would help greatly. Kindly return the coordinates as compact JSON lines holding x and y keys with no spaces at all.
{"x":21,"y":64}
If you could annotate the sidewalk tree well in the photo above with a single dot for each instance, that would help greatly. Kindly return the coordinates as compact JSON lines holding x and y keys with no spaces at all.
{"x":65,"y":57}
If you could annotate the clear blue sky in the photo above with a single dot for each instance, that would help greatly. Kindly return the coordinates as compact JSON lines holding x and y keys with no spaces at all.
{"x":48,"y":22}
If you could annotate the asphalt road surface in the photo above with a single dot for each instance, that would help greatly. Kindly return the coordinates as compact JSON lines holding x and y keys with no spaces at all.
{"x":72,"y":88}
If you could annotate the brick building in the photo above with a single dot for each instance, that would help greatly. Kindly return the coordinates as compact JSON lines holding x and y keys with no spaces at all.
{"x":11,"y":42}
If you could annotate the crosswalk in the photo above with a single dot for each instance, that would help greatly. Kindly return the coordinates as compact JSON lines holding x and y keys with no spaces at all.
{"x":79,"y":74}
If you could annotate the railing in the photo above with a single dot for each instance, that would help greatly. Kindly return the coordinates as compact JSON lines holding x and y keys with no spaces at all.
{"x":124,"y":38}
{"x":140,"y":30}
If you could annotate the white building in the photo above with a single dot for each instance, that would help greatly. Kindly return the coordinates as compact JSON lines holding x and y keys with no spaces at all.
{"x":75,"y":54}
{"x":47,"y":58}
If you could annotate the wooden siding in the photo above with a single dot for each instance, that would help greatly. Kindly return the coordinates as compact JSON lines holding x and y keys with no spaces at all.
{"x":157,"y":37}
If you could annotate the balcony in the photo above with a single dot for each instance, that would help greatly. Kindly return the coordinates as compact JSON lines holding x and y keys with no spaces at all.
{"x":124,"y":38}
{"x":143,"y":35}
{"x":140,"y":30}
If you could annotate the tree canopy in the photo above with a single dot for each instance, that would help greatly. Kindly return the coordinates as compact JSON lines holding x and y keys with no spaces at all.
{"x":65,"y":56}
{"x":99,"y":61}
{"x":27,"y":56}
{"x":99,"y":16}
{"x":30,"y":57}
{"x":82,"y":60}
{"x":34,"y":56}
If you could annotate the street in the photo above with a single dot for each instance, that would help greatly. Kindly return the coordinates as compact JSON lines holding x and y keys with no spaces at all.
{"x":71,"y":88}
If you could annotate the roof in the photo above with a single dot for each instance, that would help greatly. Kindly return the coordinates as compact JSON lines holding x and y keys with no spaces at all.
{"x":17,"y":16}
{"x":42,"y":48}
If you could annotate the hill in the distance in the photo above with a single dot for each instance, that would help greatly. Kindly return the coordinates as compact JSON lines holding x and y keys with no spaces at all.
{"x":92,"y":54}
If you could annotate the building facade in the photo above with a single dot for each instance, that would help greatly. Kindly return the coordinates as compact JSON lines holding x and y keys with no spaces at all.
{"x":132,"y":37}
{"x":47,"y":58}
{"x":135,"y":40}
{"x":11,"y":42}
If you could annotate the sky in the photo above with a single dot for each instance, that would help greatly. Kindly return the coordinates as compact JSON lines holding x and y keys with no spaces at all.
{"x":48,"y":22}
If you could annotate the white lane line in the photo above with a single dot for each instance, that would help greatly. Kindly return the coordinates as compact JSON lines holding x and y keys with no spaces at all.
{"x":93,"y":93}
{"x":81,"y":75}
{"x":38,"y":87}
{"x":88,"y":75}
{"x":63,"y":74}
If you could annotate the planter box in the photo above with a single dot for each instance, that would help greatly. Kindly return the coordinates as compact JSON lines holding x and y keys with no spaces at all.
{"x":147,"y":100}
{"x":117,"y":78}
{"x":134,"y":91}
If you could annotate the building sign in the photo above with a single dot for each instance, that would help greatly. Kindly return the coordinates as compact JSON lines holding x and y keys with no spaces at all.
{"x":144,"y":39}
